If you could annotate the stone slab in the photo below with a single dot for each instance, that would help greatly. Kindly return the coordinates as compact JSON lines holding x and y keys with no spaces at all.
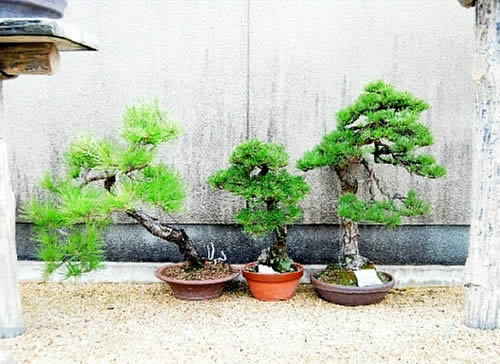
{"x":406,"y":276}
{"x":44,"y":30}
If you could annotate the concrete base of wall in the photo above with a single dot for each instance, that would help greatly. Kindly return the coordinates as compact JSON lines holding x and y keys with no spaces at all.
{"x":426,"y":275}
{"x":9,"y":332}
{"x":307,"y":244}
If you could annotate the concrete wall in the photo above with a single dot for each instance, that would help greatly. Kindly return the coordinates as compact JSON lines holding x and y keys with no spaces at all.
{"x":275,"y":70}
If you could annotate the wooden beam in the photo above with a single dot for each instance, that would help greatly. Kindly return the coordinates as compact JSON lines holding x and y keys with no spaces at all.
{"x":28,"y":59}
{"x":4,"y":76}
{"x":482,"y":270}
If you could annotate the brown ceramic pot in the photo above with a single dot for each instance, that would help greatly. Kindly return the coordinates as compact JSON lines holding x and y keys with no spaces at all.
{"x":196,"y":290}
{"x":273,"y":287}
{"x":32,"y":8}
{"x":351,"y":295}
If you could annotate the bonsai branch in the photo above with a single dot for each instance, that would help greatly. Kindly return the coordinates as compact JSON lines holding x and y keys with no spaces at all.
{"x":106,"y":175}
{"x":373,"y":178}
{"x":96,"y":177}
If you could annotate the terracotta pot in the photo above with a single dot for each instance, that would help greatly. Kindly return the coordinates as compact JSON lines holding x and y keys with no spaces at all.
{"x":273,"y":287}
{"x":196,"y":290}
{"x":351,"y":295}
{"x":32,"y":8}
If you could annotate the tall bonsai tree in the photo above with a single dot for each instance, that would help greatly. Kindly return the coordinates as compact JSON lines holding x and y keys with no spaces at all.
{"x":105,"y":177}
{"x":258,"y":174}
{"x":380,"y":127}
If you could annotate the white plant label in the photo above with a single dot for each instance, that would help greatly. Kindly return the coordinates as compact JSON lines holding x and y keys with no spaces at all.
{"x":367,"y":277}
{"x":267,"y":270}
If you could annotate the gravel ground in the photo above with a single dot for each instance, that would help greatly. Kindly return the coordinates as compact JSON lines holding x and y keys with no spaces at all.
{"x":144,"y":323}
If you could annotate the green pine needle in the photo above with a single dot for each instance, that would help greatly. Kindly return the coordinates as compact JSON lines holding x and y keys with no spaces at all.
{"x":258,"y":175}
{"x":104,"y":177}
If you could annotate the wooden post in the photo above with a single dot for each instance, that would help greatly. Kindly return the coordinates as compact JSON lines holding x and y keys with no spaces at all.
{"x":482,"y":275}
{"x":11,"y":322}
{"x":467,"y":3}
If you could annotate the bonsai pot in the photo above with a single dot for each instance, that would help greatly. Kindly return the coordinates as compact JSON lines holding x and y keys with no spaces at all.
{"x":32,"y":8}
{"x":352,"y":295}
{"x":196,"y":290}
{"x":273,"y":287}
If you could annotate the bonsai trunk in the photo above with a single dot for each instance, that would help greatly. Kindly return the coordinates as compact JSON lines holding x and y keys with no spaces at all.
{"x":350,"y":238}
{"x":168,"y":233}
{"x":349,"y":254}
{"x":278,"y":249}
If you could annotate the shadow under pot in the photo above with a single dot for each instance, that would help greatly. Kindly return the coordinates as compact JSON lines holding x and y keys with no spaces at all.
{"x":273,"y":287}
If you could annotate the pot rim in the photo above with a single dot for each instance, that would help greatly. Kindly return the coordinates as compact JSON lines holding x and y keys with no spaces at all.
{"x":352,"y":289}
{"x":270,"y":278}
{"x":229,"y":277}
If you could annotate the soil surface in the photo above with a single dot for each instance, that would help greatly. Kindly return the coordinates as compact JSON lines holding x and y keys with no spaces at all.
{"x":144,"y":323}
{"x":333,"y":274}
{"x":209,"y":271}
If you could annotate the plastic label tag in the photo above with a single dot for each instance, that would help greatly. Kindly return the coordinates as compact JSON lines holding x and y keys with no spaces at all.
{"x":367,"y":277}
{"x":266,"y":270}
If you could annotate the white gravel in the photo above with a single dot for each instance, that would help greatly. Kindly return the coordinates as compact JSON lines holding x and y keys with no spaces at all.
{"x":144,"y":323}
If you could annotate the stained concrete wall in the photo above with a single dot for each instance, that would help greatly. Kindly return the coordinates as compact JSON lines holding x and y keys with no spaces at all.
{"x":275,"y":70}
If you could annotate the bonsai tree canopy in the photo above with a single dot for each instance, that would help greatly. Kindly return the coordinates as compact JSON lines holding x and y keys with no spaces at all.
{"x":380,"y":127}
{"x":106,"y":177}
{"x":257,"y":174}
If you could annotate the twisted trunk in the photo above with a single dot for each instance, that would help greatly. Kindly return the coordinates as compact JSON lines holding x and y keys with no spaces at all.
{"x":279,"y":247}
{"x":350,"y":238}
{"x":168,"y":233}
{"x":349,"y":253}
{"x":163,"y":231}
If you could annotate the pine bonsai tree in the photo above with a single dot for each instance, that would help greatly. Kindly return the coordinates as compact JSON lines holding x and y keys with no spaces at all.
{"x":106,"y":177}
{"x":380,"y":127}
{"x":257,"y":173}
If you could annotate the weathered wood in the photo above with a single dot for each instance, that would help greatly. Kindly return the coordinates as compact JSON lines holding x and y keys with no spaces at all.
{"x":11,"y":322}
{"x":29,"y":58}
{"x":482,"y":274}
{"x":4,"y":76}
{"x":467,"y":3}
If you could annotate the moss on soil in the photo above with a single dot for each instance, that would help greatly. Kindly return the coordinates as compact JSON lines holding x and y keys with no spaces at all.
{"x":208,"y":272}
{"x":334,"y":274}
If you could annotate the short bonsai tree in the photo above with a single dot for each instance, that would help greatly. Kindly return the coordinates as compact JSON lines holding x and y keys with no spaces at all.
{"x":104,"y":177}
{"x":258,"y":174}
{"x":380,"y":127}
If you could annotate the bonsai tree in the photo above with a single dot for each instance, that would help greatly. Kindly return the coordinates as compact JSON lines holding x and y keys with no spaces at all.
{"x":257,"y":174}
{"x":380,"y":127}
{"x":104,"y":177}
